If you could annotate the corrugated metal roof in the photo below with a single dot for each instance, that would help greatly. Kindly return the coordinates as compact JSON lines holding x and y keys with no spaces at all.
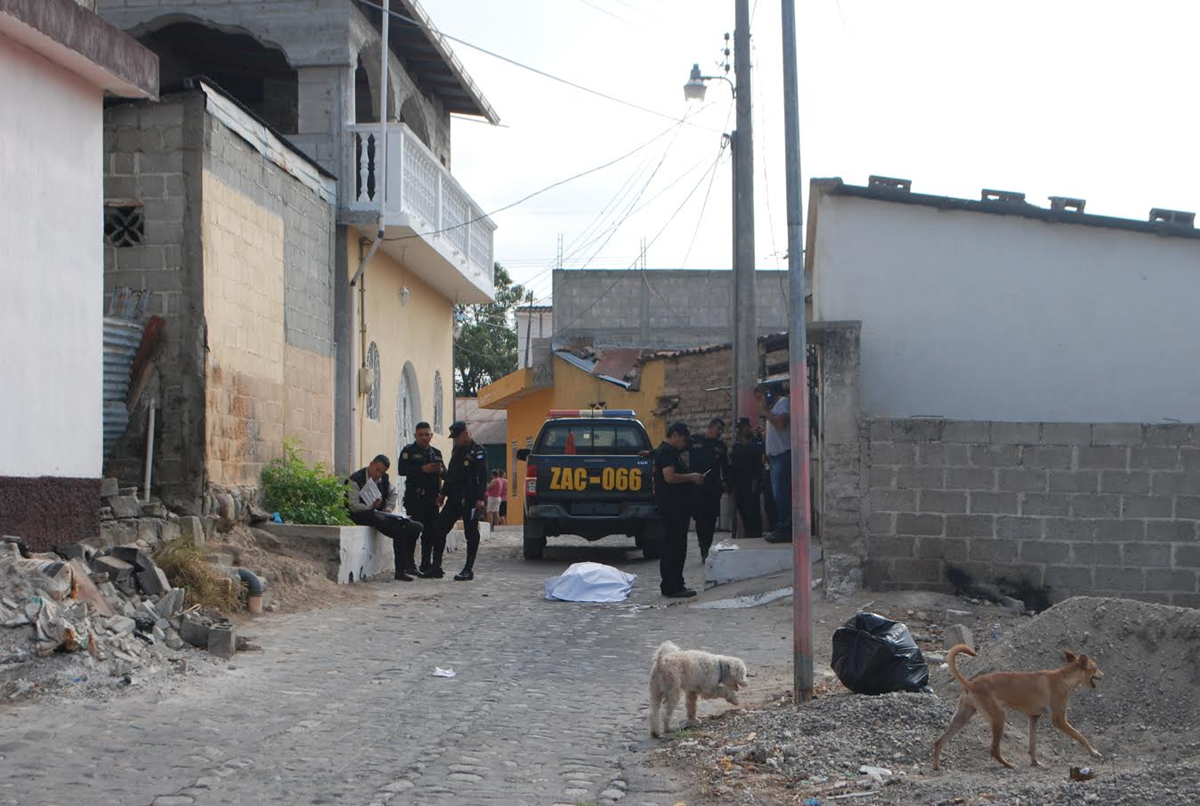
{"x":121,"y":341}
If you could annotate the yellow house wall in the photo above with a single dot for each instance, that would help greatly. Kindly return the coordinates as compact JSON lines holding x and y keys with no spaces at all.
{"x":259,"y":390}
{"x":419,"y":333}
{"x":575,"y":389}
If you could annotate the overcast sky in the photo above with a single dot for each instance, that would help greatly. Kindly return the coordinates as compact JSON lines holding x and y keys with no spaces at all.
{"x":1087,"y":99}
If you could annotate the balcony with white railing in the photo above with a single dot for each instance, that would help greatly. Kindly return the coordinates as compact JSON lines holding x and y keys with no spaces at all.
{"x":430,"y":223}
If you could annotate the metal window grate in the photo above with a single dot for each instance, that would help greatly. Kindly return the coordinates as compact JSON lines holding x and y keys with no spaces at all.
{"x":124,"y":225}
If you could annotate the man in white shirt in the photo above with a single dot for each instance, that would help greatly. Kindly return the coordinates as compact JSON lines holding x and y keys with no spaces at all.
{"x":776,"y":410}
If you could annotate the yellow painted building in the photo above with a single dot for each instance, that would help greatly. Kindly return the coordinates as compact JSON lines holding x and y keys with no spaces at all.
{"x":404,"y":328}
{"x":574,"y":387}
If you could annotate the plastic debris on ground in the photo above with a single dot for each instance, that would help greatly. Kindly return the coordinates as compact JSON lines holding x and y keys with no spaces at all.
{"x":590,"y":582}
{"x":111,"y":610}
{"x":725,"y":545}
{"x":438,"y":671}
{"x":875,"y":655}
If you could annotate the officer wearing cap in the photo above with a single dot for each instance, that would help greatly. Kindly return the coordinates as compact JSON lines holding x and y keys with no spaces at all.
{"x":463,"y":496}
{"x":422,"y":467}
{"x":708,"y":455}
{"x":673,"y":499}
{"x":747,"y":472}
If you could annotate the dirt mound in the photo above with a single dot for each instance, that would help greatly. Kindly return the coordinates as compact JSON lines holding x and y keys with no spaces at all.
{"x":295,"y":582}
{"x":1150,"y":656}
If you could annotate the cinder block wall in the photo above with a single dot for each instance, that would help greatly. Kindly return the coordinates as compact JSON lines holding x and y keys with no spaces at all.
{"x":1109,"y":509}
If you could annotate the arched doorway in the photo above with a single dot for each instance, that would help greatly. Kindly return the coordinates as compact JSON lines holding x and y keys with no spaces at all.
{"x":408,"y":411}
{"x":411,"y":114}
{"x":256,"y":74}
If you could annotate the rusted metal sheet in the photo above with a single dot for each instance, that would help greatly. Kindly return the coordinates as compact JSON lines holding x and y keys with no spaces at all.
{"x":121,"y":341}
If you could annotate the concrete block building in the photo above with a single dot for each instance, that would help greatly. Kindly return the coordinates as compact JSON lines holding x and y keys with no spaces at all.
{"x":59,"y":63}
{"x":232,"y":249}
{"x":373,"y":332}
{"x":1022,"y":401}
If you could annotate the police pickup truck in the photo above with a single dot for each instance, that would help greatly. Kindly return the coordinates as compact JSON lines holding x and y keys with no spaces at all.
{"x":590,"y":474}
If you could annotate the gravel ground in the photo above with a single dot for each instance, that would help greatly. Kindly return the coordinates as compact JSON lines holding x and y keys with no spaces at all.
{"x":1143,"y":719}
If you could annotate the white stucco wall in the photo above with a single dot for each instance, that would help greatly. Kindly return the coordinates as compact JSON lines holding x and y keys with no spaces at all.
{"x":991,"y":317}
{"x":51,"y":237}
{"x":538,"y":324}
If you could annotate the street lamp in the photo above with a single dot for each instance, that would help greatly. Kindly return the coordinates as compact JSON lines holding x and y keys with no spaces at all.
{"x":744,"y":319}
{"x":695,"y":87}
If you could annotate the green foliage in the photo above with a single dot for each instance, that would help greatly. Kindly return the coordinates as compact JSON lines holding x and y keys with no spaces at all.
{"x":487,"y":347}
{"x":304,"y":494}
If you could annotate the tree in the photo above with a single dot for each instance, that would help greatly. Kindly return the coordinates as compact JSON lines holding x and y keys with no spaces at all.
{"x":486,"y":350}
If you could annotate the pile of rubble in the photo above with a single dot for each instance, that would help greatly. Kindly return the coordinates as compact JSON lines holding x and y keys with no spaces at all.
{"x":844,"y":746}
{"x":114,"y":610}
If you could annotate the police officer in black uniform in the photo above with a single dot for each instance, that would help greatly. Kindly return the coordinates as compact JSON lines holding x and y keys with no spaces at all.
{"x":747,"y":472}
{"x":422,"y":467}
{"x":708,"y":455}
{"x":464,"y":495}
{"x":673,"y":498}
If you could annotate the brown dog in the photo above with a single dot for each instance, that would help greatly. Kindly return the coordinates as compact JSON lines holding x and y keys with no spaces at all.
{"x":1035,"y":694}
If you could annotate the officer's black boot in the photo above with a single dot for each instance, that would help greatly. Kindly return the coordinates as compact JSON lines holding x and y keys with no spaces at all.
{"x":468,"y":572}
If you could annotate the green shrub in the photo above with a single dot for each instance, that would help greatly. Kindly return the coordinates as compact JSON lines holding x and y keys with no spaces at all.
{"x":304,"y":494}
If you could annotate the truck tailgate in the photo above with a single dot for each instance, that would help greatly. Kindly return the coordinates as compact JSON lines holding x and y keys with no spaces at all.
{"x":602,"y":480}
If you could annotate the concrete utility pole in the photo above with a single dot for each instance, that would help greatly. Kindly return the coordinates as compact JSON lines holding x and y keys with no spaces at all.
{"x":745,"y":316}
{"x":802,"y":669}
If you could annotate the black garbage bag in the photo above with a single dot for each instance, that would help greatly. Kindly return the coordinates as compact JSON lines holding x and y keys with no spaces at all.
{"x":875,"y":655}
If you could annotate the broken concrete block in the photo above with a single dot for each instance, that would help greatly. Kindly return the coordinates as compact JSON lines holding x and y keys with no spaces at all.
{"x":128,"y":491}
{"x":170,"y":604}
{"x":958,"y":616}
{"x":153,"y":581}
{"x":222,"y":640}
{"x":195,"y":631}
{"x":109,"y":488}
{"x":1015,"y":605}
{"x":117,"y":533}
{"x":148,"y":531}
{"x":120,"y":625}
{"x":191,"y":530}
{"x":75,"y":551}
{"x":173,"y":640}
{"x":168,"y":530}
{"x":125,"y":506}
{"x":117,"y":570}
{"x":958,"y":634}
{"x":153,"y":509}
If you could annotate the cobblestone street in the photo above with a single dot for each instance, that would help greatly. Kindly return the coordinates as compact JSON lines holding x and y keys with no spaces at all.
{"x":342,"y":707}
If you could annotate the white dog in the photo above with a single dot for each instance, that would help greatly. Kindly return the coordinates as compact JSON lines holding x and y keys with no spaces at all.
{"x":699,"y":674}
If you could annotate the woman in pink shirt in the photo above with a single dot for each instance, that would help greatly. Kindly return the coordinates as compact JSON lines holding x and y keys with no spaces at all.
{"x":495,"y":494}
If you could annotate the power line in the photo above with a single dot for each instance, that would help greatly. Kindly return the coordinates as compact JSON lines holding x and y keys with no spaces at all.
{"x":536,"y":193}
{"x":663,"y":229}
{"x":531,"y":69}
{"x":700,"y":220}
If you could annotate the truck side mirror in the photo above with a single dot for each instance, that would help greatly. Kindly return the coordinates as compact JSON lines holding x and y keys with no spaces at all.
{"x":522,"y":454}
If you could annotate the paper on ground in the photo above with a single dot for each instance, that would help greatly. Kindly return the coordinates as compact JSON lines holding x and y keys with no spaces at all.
{"x":438,"y":671}
{"x":590,"y":582}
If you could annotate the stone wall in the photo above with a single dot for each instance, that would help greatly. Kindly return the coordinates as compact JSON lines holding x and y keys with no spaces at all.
{"x":1107,"y":509}
{"x":696,"y":388}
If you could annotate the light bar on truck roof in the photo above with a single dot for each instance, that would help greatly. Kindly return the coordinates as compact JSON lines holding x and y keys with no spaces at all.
{"x":596,"y":413}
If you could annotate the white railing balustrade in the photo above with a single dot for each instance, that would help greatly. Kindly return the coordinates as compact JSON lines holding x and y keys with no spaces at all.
{"x":418,"y":185}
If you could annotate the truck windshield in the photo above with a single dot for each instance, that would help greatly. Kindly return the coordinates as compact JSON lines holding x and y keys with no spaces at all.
{"x":586,"y":439}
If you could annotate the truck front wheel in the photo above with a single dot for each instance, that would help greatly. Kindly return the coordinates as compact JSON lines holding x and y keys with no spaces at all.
{"x":534,"y":539}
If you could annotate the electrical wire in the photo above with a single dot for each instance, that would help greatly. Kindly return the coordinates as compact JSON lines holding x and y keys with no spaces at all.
{"x":530,"y":68}
{"x":663,"y":229}
{"x":536,"y":193}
